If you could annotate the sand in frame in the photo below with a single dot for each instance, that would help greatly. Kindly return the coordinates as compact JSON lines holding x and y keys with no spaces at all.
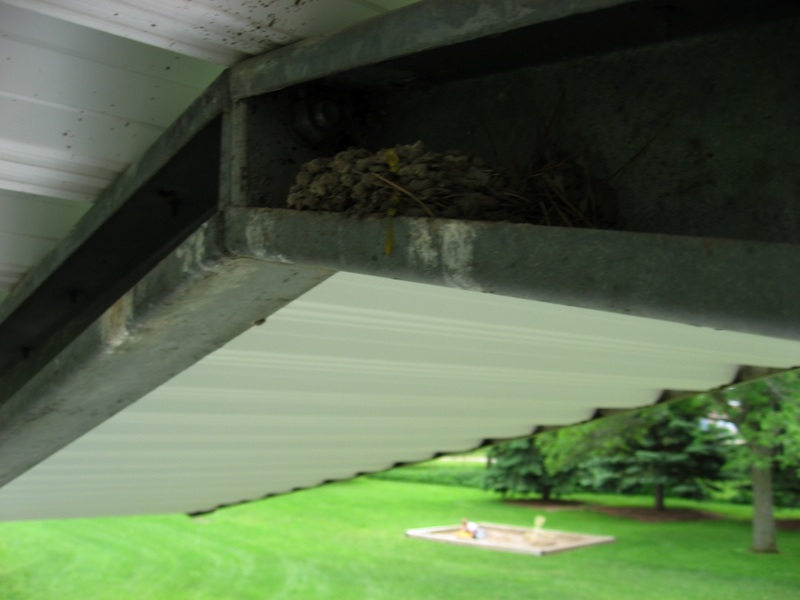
{"x":506,"y":538}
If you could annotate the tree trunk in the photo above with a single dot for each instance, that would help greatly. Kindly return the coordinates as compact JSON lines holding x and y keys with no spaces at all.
{"x":763,"y":517}
{"x":659,"y":497}
{"x":546,"y":493}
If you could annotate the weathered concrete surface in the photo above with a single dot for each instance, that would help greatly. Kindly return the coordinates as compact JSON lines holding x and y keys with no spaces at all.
{"x":415,"y":29}
{"x":137,"y":221}
{"x":697,"y":136}
{"x":742,"y":286}
{"x":194,"y":302}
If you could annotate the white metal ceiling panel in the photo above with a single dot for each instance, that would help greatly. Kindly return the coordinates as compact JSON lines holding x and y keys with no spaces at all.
{"x":30,"y":226}
{"x":77,"y":106}
{"x":220,"y":31}
{"x":361,"y":373}
{"x":67,"y":109}
{"x":86,"y":86}
{"x":392,"y":4}
{"x":37,"y":216}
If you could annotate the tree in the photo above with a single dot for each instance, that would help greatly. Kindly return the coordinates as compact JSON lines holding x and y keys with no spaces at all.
{"x":518,"y":468}
{"x":662,"y":449}
{"x":655,"y":450}
{"x":767,"y":414}
{"x":785,"y":480}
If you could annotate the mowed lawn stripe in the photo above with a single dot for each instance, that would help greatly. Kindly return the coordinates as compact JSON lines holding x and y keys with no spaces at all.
{"x":346,"y":540}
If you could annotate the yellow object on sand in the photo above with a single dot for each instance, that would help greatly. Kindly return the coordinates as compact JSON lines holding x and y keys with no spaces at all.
{"x":463,"y":534}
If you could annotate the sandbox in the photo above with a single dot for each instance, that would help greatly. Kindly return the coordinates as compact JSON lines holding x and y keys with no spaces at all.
{"x":506,"y":538}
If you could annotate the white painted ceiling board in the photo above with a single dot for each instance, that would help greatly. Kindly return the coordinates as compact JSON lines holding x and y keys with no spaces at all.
{"x":27,"y":252}
{"x":77,"y":107}
{"x":37,"y":215}
{"x":392,"y":4}
{"x":86,"y":86}
{"x":219,"y":31}
{"x":30,"y":226}
{"x":360,"y":373}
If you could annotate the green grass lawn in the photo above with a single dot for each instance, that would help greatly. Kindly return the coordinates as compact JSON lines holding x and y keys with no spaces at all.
{"x":346,"y":540}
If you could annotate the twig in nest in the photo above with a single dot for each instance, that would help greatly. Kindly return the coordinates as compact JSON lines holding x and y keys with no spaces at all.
{"x":556,"y":116}
{"x":403,"y":190}
{"x":550,"y":165}
{"x":545,"y":213}
{"x":546,"y":168}
{"x":559,"y":192}
{"x":511,"y":194}
{"x":590,"y":187}
{"x":561,"y":214}
{"x":636,"y":154}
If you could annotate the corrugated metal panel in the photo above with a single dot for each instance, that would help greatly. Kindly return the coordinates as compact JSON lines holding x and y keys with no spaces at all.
{"x":360,"y":373}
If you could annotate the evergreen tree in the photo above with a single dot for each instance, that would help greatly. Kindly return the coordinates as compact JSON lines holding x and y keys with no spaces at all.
{"x":661,"y":449}
{"x":518,"y":468}
{"x":658,"y":450}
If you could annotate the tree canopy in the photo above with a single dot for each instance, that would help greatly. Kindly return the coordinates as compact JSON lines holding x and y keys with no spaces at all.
{"x":656,"y":450}
{"x":518,"y":468}
{"x":766,"y":413}
{"x":671,"y":449}
{"x":660,"y":450}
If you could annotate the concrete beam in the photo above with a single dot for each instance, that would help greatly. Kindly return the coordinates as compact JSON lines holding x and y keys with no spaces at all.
{"x":192,"y":303}
{"x":545,"y":31}
{"x":137,"y":221}
{"x":415,"y":29}
{"x":736,"y":285}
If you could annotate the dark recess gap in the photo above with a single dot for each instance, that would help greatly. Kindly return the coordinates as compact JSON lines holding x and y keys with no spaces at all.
{"x":626,"y":26}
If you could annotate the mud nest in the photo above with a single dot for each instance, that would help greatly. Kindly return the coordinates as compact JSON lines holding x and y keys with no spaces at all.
{"x":414,"y":181}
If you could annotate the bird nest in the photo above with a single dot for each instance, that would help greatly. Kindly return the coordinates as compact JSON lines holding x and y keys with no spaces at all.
{"x":415,"y":181}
